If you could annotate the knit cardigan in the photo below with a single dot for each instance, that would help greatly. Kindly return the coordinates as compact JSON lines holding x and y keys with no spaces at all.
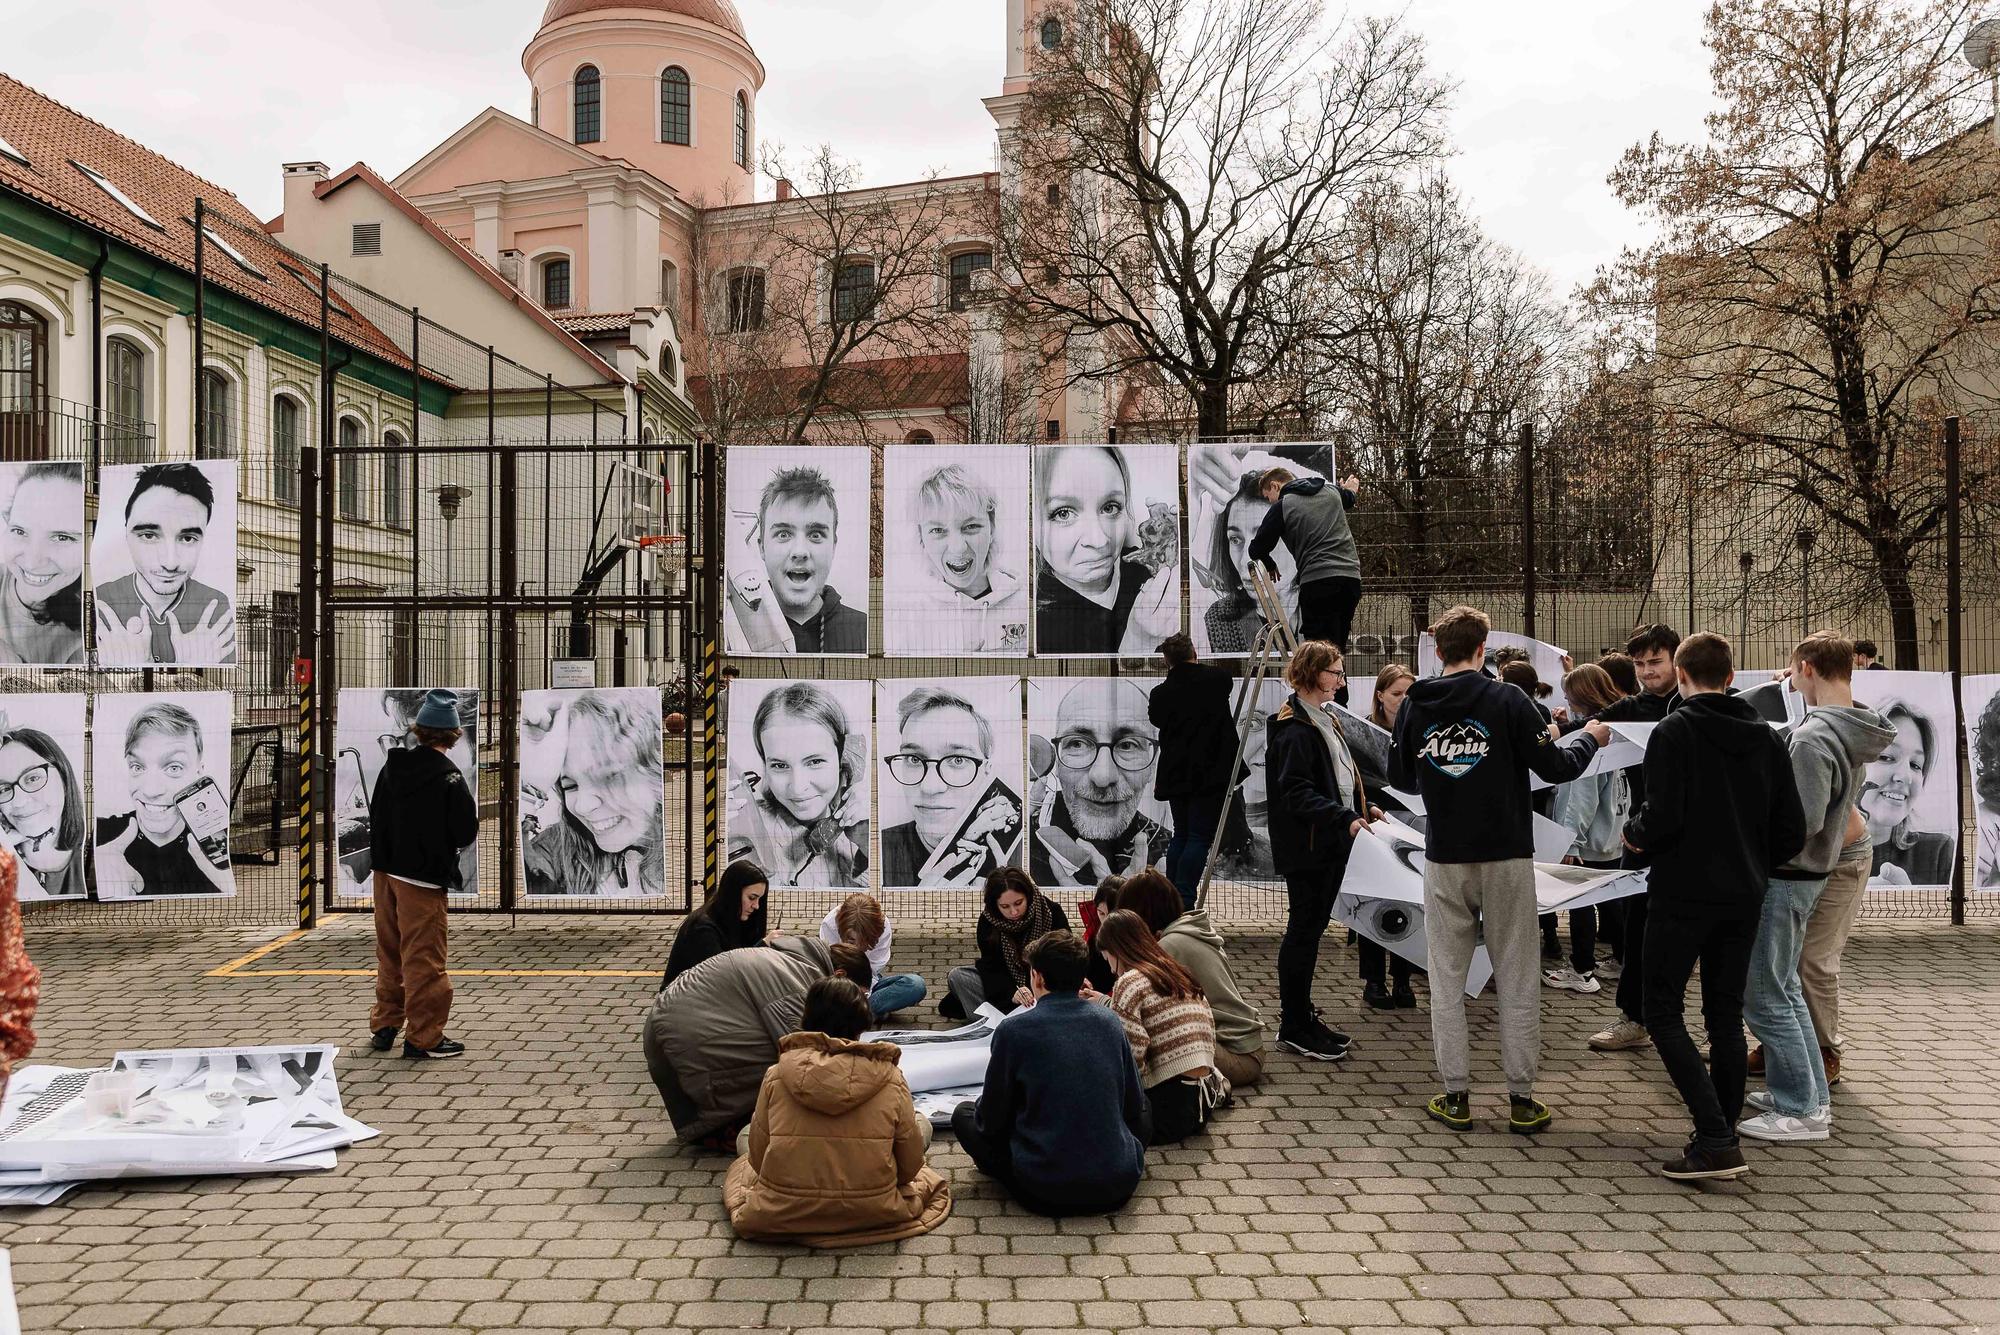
{"x":1169,"y":1036}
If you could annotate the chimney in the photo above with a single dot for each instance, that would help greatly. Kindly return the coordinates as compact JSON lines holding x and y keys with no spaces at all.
{"x":784,"y":187}
{"x":300,"y":179}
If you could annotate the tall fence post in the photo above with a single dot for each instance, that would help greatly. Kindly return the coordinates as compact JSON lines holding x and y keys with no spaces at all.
{"x":200,"y":324}
{"x":510,"y":676}
{"x":304,"y":679}
{"x":711,"y":658}
{"x":1528,"y":530}
{"x":1954,"y":614}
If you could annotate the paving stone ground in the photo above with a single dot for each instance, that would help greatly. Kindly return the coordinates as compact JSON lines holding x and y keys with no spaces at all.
{"x":534,"y":1186}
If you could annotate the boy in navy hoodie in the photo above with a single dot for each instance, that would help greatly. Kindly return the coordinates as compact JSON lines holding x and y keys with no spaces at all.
{"x":1466,"y":743}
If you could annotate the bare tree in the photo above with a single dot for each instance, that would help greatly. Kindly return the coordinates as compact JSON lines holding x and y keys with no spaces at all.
{"x":1182,"y":166}
{"x":1825,"y":267}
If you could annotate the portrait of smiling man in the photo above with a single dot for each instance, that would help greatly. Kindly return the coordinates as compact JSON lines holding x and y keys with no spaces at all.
{"x":786,"y":601}
{"x":958,"y":776}
{"x":1094,"y":764}
{"x":166,"y":530}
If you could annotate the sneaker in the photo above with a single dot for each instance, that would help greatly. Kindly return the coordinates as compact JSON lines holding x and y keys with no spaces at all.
{"x":1406,"y":1000}
{"x":1453,"y":1108}
{"x":1377,"y":997}
{"x":383,"y":1039}
{"x":1761,"y":1101}
{"x":1756,"y":1066}
{"x":1610,"y":970}
{"x":1621,"y":1036}
{"x":442,"y":1049}
{"x":1568,"y":979}
{"x":1526,"y":1116}
{"x":1776,"y":1127}
{"x":1313,"y":1041}
{"x":1830,"y":1057}
{"x":1699,"y":1165}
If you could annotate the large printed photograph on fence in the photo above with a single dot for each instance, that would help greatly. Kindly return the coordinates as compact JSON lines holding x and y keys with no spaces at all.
{"x":163,"y":565}
{"x":1909,"y":797}
{"x":796,"y":559}
{"x":955,"y":528}
{"x":1982,"y":744}
{"x":1092,"y":757}
{"x":799,"y":781}
{"x":1225,"y":508}
{"x":373,"y":722}
{"x":593,"y":804}
{"x":950,"y":791}
{"x":41,"y":564}
{"x":1107,"y":549}
{"x":42,"y":819}
{"x":160,"y":793}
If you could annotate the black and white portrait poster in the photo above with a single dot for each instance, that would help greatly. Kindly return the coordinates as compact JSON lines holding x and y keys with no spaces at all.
{"x":951,"y":780}
{"x":796,"y":564}
{"x":372,"y":723}
{"x":1243,"y":843}
{"x":163,"y":565}
{"x":1092,"y":756}
{"x":593,"y":793}
{"x":41,"y":564}
{"x":160,"y":763}
{"x":1910,"y":796}
{"x":1107,"y":549}
{"x":1546,"y":659}
{"x":955,"y":530}
{"x":1981,"y":697}
{"x":42,"y":793}
{"x":1225,"y":506}
{"x":799,"y":781}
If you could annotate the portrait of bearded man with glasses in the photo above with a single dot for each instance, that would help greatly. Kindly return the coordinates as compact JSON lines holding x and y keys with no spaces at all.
{"x":961,"y":782}
{"x":1093,"y":766}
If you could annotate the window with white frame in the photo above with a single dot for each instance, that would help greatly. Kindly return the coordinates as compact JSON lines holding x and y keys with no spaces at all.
{"x":743,"y":131}
{"x":853,"y":291}
{"x":964,"y":265}
{"x":347,"y":474}
{"x":556,"y":284}
{"x":676,"y":107}
{"x":217,"y":436}
{"x":746,"y":300}
{"x":395,"y":475}
{"x":287,"y":436}
{"x":589,"y":105}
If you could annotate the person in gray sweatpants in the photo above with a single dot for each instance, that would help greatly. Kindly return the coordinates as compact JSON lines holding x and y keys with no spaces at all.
{"x":1458,"y":897}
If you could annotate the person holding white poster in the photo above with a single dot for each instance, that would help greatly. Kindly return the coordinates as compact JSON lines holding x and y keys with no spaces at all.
{"x":162,"y":558}
{"x":955,"y":776}
{"x":41,"y":793}
{"x":161,"y":765}
{"x":593,"y":803}
{"x":955,"y":523}
{"x":1910,"y":797}
{"x":41,"y":564}
{"x":786,"y":559}
{"x":371,"y":724}
{"x":799,"y":781}
{"x":1107,"y":549}
{"x":1227,"y":506}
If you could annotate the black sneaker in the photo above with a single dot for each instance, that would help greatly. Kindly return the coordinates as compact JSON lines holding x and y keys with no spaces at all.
{"x":444,"y":1048}
{"x":1405,"y":999}
{"x":1377,"y":997}
{"x":1313,"y":1041}
{"x":949,"y":1007}
{"x":383,"y":1039}
{"x":1700,"y":1165}
{"x":1526,"y":1116}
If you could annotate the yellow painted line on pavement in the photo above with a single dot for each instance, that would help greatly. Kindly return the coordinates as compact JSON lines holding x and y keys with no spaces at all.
{"x":235,"y":968}
{"x":229,"y":970}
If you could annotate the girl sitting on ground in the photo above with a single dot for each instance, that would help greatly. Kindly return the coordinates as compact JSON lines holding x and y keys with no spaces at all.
{"x":1169,"y":1024}
{"x":1016,"y":913}
{"x":1187,"y":936}
{"x":730,"y":918}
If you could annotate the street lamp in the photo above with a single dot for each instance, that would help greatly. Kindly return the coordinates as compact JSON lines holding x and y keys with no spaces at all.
{"x":1805,"y":538}
{"x":1747,"y":562}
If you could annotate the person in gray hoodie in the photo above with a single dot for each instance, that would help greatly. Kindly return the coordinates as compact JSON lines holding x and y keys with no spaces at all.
{"x":1830,"y":750}
{"x":1310,"y":518}
{"x":1195,"y":945}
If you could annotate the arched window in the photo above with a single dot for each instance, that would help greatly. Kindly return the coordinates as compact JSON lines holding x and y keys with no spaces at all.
{"x":125,"y":380}
{"x":555,"y":285}
{"x":347,"y":475}
{"x":743,"y":131}
{"x":589,"y":106}
{"x":1051,"y":34}
{"x":395,"y":495}
{"x":24,"y":382}
{"x":963,"y":265}
{"x":218,"y":414}
{"x":676,"y":120}
{"x":669,"y":369}
{"x":853,"y":291}
{"x":920,"y":438}
{"x":287,"y":422}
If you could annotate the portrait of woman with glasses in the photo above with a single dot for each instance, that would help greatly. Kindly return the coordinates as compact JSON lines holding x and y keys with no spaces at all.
{"x":957,"y":775}
{"x":41,"y":799}
{"x":1093,"y":754}
{"x":799,"y":792}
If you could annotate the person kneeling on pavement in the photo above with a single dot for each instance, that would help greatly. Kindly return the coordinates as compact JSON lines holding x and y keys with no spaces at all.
{"x":715,"y":1030}
{"x":834,"y":1154}
{"x":1196,"y":946}
{"x":1170,"y":1027}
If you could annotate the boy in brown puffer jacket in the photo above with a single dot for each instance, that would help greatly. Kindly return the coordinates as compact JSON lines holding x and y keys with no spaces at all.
{"x":834,"y":1156}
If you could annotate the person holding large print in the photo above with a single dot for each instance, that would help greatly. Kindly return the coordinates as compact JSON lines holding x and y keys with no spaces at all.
{"x":422,"y":813}
{"x":963,"y":821}
{"x":41,"y":809}
{"x":1310,"y":517}
{"x":160,"y":614}
{"x":152,"y":848}
{"x":1197,"y":727}
{"x":41,"y":567}
{"x":968,"y":602}
{"x":806,"y":818}
{"x":1104,"y":753}
{"x":792,"y":608}
{"x":1106,"y":579}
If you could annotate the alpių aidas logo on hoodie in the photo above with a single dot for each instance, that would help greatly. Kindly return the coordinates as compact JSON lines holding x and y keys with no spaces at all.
{"x":1455,"y":749}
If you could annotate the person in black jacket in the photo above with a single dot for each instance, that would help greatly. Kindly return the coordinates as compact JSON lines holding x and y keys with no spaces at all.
{"x":1722,"y":814}
{"x":730,"y":918}
{"x":1197,"y":752}
{"x":1466,"y":743}
{"x":1016,"y":914}
{"x":1317,"y":807}
{"x":421,"y":815}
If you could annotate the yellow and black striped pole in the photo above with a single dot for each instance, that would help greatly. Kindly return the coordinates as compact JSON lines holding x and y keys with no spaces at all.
{"x":711,"y":682}
{"x":308,"y":902}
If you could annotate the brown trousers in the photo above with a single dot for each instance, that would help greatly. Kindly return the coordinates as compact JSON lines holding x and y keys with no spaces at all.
{"x":412,"y":991}
{"x":1826,"y":936}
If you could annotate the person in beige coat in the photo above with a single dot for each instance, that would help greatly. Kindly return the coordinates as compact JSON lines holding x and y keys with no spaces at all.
{"x":834,"y":1155}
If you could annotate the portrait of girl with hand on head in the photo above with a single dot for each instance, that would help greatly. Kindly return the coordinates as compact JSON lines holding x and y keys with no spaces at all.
{"x":1107,"y":556}
{"x":1894,"y":783}
{"x":802,"y":795}
{"x":41,"y":796}
{"x":152,"y":848}
{"x":593,"y":805}
{"x":41,"y":564}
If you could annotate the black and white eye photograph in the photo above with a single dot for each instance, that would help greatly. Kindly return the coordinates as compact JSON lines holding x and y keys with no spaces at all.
{"x":800,"y":781}
{"x":1092,"y":758}
{"x":1107,"y":549}
{"x":42,"y":793}
{"x":373,"y":723}
{"x":161,"y":794}
{"x":951,"y":781}
{"x":163,"y":565}
{"x":1982,"y":744}
{"x":41,"y":564}
{"x":796,"y":566}
{"x":1226,"y":504}
{"x":955,"y":532}
{"x":1909,"y":798}
{"x":593,"y":796}
{"x":1503,"y":647}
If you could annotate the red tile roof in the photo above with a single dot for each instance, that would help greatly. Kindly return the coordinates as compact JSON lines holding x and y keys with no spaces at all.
{"x":591,"y":323}
{"x":891,"y":384}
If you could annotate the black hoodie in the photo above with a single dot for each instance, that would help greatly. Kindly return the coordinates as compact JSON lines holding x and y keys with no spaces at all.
{"x":1722,"y":810}
{"x":1465,"y":744}
{"x":420,"y":816}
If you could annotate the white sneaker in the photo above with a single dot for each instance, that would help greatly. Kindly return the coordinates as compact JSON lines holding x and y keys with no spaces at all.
{"x":1761,"y":1100}
{"x":1625,"y":1034}
{"x":1780,"y":1129}
{"x":1609,"y":969}
{"x":1569,"y":979}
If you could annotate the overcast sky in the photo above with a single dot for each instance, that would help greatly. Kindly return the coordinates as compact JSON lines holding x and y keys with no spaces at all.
{"x":1549,"y":93}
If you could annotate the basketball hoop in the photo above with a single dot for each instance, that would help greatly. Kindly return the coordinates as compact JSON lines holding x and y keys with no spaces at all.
{"x":667,"y":551}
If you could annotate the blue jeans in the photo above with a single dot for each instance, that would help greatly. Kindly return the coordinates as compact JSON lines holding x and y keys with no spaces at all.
{"x":1195,"y":819}
{"x":895,"y":991}
{"x":1774,"y":1002}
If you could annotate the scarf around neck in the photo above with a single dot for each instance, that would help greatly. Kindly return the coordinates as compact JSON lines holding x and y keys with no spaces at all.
{"x":1015,"y":934}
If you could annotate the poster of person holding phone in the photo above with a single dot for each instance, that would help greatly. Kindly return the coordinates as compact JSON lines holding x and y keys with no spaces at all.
{"x":42,"y":793}
{"x":797,"y":551}
{"x":950,"y":785}
{"x":163,"y":565}
{"x":161,"y":769}
{"x":373,"y":722}
{"x":1909,"y":794}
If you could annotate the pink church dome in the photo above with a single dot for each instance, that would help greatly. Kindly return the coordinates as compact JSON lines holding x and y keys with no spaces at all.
{"x":721,"y":13}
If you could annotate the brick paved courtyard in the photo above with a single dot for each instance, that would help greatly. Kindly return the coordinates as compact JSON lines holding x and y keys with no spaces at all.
{"x":535,"y":1186}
